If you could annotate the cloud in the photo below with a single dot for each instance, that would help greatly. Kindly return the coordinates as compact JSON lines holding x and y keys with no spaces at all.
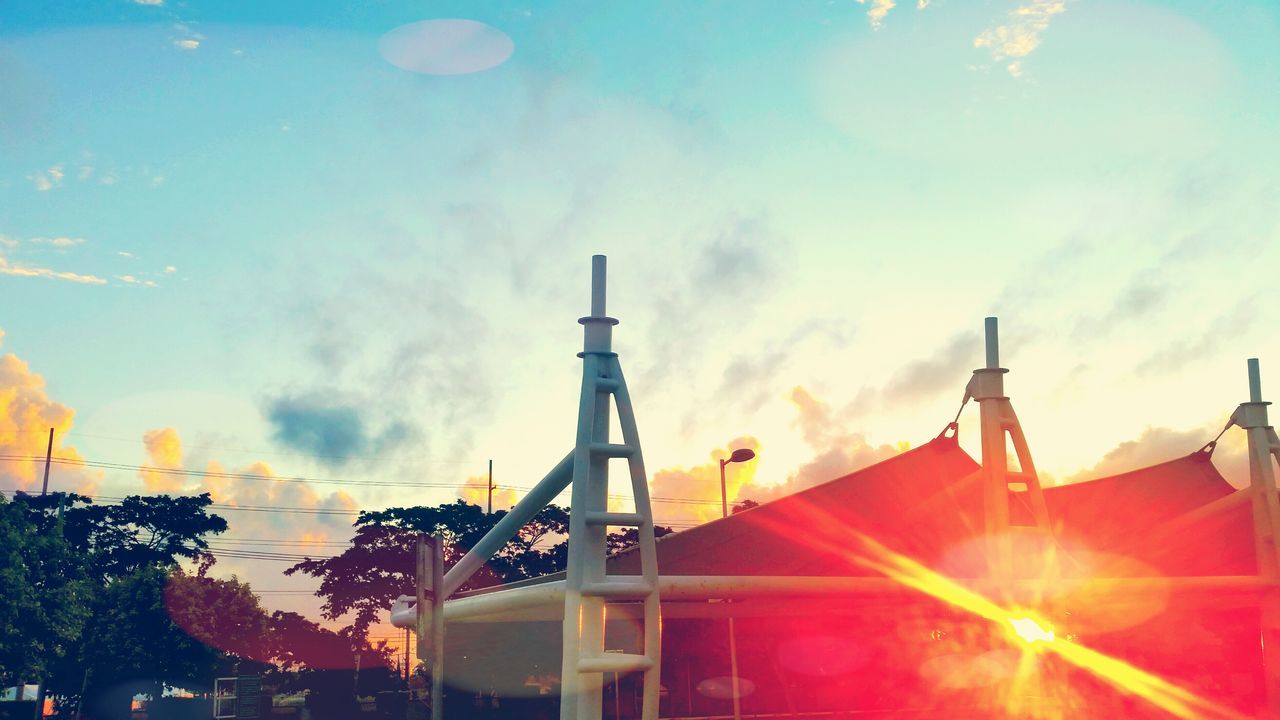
{"x":879,"y":9}
{"x":148,"y":2}
{"x":701,"y":485}
{"x":476,"y":492}
{"x":7,"y":268}
{"x":164,"y":452}
{"x":26,"y":414}
{"x":445,"y":47}
{"x":8,"y":242}
{"x":61,"y":242}
{"x":730,"y":275}
{"x":1159,"y":444}
{"x":1139,"y":300}
{"x":134,"y":280}
{"x":169,"y":269}
{"x":1189,"y":349}
{"x":947,"y":369}
{"x":47,"y":180}
{"x":838,"y":451}
{"x":1020,"y":34}
{"x":187,"y":43}
{"x":334,"y":432}
{"x":248,"y":486}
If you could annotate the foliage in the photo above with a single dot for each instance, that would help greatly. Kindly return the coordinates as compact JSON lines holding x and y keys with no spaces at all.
{"x":44,"y":592}
{"x":110,"y":564}
{"x":380,"y":564}
{"x":141,"y":531}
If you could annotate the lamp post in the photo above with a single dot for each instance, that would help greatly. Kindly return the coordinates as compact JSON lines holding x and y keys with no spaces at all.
{"x":739,"y":455}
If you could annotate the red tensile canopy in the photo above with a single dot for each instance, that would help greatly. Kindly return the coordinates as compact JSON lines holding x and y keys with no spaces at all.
{"x":926,"y":503}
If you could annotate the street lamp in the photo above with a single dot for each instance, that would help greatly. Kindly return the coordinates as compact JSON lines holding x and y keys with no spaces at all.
{"x":739,"y":455}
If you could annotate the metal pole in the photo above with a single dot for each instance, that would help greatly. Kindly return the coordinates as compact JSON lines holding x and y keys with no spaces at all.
{"x":48,"y":458}
{"x":437,"y":627}
{"x":543,"y":493}
{"x":733,"y":636}
{"x":724,"y":495}
{"x":490,"y":487}
{"x":1255,"y":384}
{"x":44,"y":490}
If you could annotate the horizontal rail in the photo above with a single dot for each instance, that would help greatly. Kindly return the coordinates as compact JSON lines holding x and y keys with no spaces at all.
{"x":676,"y":588}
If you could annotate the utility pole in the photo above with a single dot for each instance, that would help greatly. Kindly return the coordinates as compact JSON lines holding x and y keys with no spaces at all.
{"x":44,"y":490}
{"x":490,"y":487}
{"x":48,"y":458}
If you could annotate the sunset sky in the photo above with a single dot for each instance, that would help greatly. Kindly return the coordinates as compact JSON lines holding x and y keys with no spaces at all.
{"x":274,"y":238}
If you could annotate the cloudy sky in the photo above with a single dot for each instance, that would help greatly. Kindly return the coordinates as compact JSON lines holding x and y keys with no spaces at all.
{"x":338,"y":242}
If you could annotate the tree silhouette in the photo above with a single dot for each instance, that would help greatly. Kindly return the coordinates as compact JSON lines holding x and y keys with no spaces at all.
{"x":380,"y":564}
{"x":43,"y":610}
{"x":140,"y":531}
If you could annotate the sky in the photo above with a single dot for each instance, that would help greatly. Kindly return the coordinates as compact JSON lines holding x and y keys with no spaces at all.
{"x":350,"y":242}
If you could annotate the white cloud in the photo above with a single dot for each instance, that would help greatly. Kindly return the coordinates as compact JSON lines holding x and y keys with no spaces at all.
{"x":48,"y":179}
{"x":58,"y":241}
{"x":187,"y":43}
{"x":169,"y":269}
{"x":122,"y":253}
{"x":879,"y":9}
{"x":1020,"y":35}
{"x":8,"y":242}
{"x":148,"y":2}
{"x":135,"y":280}
{"x":6,"y":268}
{"x":86,"y":172}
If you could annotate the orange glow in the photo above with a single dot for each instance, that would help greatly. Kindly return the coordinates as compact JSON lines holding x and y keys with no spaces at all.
{"x":1030,"y":630}
{"x":1033,"y":634}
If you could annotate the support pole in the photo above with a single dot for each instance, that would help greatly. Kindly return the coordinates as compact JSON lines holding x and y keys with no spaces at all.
{"x":44,"y":490}
{"x":997,"y":419}
{"x":490,"y":487}
{"x":437,"y":629}
{"x":987,"y":387}
{"x":48,"y":458}
{"x":1264,"y":448}
{"x":543,"y":493}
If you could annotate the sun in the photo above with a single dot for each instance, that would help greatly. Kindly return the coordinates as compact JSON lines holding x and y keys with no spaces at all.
{"x":1030,"y":631}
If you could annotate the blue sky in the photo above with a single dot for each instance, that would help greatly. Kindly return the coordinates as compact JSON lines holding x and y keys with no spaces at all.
{"x":808,"y":209}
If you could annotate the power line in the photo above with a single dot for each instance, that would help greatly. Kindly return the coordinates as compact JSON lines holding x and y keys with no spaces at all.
{"x":102,"y":465}
{"x":230,"y":475}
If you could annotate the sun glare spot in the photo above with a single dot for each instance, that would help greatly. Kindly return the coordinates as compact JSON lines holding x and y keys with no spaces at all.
{"x":1030,"y":630}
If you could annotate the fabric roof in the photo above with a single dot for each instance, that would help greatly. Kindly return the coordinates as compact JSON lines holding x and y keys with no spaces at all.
{"x":926,"y":503}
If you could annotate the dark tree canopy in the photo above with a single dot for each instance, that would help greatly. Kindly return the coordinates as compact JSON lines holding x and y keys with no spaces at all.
{"x":43,"y":609}
{"x":142,"y":530}
{"x":379,"y":566}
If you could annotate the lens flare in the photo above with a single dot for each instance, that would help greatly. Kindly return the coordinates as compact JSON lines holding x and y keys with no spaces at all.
{"x":1030,"y":631}
{"x":865,"y":552}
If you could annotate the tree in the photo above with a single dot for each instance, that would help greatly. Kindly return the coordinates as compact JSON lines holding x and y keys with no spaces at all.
{"x":379,"y":566}
{"x":322,"y":662}
{"x":618,"y":541}
{"x":44,"y":589}
{"x":109,"y":555}
{"x":141,"y":531}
